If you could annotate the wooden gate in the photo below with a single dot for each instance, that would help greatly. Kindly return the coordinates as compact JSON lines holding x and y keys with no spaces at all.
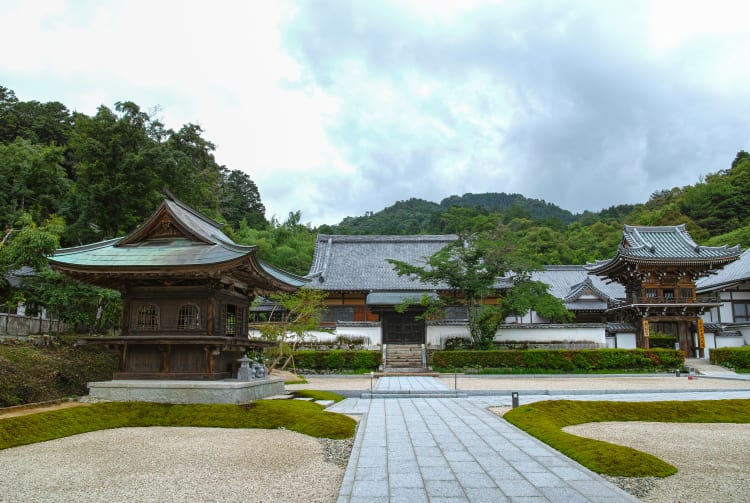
{"x":402,"y":328}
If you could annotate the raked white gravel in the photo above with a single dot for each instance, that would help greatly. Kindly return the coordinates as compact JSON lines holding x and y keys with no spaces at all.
{"x":171,"y":465}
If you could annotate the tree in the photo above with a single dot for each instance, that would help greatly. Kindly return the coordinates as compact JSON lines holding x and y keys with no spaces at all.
{"x":527,"y":295}
{"x":78,"y":305}
{"x":301,"y":312}
{"x":33,"y":182}
{"x":123,"y":161}
{"x":30,"y":246}
{"x":44,"y":123}
{"x":468,"y":267}
{"x":240,"y":200}
{"x":471,"y":267}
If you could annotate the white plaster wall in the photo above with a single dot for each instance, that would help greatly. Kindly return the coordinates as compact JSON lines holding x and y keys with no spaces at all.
{"x":373,"y":333}
{"x":729,"y":342}
{"x":438,"y":334}
{"x":725,"y":314}
{"x":574,"y":333}
{"x":745,"y":331}
{"x":711,"y":341}
{"x":626,"y":341}
{"x":711,"y":316}
{"x":611,"y":342}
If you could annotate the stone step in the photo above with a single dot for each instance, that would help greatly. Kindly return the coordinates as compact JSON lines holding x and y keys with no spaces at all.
{"x":415,"y":394}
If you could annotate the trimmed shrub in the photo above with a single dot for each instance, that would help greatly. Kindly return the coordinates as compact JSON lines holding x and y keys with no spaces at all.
{"x":736,"y":358}
{"x":582,"y":360}
{"x":665,"y":341}
{"x":337,"y":360}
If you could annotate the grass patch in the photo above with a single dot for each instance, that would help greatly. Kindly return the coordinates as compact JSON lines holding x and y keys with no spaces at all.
{"x":545,"y":421}
{"x":318,"y":395}
{"x":299,"y":380}
{"x":303,"y":417}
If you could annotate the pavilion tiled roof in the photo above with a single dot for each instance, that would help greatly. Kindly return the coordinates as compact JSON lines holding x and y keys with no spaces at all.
{"x":736,"y":272}
{"x":176,"y":238}
{"x":664,"y":245}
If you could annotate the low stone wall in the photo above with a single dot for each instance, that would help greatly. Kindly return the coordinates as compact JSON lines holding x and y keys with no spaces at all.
{"x":236,"y":392}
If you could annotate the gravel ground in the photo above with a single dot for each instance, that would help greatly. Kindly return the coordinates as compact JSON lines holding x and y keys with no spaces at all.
{"x":204,"y":464}
{"x":712,"y":459}
{"x":175,"y":464}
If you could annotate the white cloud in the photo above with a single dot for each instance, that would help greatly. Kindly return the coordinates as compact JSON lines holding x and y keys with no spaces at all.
{"x":336,"y":108}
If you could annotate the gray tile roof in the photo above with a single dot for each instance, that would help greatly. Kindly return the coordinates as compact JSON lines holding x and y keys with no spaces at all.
{"x":571,"y":282}
{"x":670,"y":244}
{"x":358,"y":263}
{"x":736,"y":272}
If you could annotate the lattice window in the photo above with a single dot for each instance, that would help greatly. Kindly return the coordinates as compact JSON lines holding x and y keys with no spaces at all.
{"x":188,"y":317}
{"x":229,"y":319}
{"x":148,"y":317}
{"x":337,"y":313}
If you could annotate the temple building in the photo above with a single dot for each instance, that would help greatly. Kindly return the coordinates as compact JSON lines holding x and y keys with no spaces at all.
{"x":649,"y":286}
{"x":659,"y":267}
{"x":186,"y":290}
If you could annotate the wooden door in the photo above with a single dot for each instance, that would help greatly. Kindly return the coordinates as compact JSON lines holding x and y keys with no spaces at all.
{"x":402,"y":328}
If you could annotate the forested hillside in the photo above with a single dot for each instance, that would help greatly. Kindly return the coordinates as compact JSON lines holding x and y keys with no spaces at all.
{"x":68,"y":178}
{"x":716,"y":211}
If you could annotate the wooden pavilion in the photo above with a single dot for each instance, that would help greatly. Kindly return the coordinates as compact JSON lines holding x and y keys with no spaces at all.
{"x":658,"y":266}
{"x":186,"y":290}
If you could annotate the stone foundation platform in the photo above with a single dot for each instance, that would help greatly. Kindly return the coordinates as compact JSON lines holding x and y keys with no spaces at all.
{"x":228,"y":391}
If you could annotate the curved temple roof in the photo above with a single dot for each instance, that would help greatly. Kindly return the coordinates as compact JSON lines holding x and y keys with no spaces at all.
{"x":176,"y":241}
{"x":663,"y":245}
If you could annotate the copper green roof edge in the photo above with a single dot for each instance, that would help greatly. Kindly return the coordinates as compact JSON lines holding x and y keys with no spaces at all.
{"x":284,"y":276}
{"x":106,"y":255}
{"x":205,"y":218}
{"x":86,"y":247}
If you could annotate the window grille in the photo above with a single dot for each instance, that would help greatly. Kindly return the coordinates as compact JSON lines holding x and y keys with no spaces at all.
{"x":148,"y":317}
{"x":229,"y":315}
{"x":741,"y":312}
{"x":336,"y":313}
{"x":188,"y":317}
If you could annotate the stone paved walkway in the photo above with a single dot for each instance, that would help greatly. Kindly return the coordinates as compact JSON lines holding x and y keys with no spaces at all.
{"x":453,"y":450}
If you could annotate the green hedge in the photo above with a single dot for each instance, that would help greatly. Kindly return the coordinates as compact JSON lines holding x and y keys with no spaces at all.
{"x":662,"y":341}
{"x":30,"y":374}
{"x":337,"y":359}
{"x":736,"y":358}
{"x":562,"y":360}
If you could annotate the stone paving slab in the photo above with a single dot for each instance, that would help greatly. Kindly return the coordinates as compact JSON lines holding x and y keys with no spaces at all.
{"x":453,"y":449}
{"x":409,"y":384}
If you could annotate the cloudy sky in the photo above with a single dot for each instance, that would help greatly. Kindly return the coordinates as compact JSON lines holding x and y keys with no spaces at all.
{"x":339,"y":107}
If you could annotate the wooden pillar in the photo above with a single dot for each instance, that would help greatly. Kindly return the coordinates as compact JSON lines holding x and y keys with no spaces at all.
{"x":211,"y":314}
{"x":123,"y":357}
{"x":165,"y":354}
{"x":209,"y":368}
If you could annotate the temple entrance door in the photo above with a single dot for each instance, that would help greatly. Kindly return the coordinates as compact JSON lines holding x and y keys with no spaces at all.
{"x":680,"y":329}
{"x":402,"y":328}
